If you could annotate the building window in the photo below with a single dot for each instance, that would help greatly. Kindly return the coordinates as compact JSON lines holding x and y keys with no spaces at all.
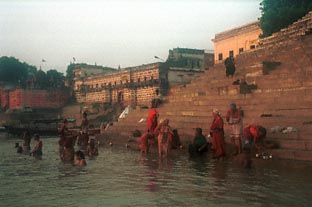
{"x":240,"y":50}
{"x":139,"y":80}
{"x":231,"y":53}
{"x":252,"y":47}
{"x":220,"y":56}
{"x":97,"y":85}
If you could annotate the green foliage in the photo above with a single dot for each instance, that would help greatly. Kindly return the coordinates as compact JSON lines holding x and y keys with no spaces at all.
{"x":55,"y":78}
{"x":278,"y":14}
{"x":12,"y":71}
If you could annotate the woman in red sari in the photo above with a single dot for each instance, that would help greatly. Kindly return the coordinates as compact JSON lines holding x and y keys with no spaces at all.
{"x":217,"y":134}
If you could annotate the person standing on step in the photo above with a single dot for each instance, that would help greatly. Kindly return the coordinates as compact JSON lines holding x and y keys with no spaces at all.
{"x":229,"y":66}
{"x":234,"y":118}
{"x":152,"y":118}
{"x":217,"y":134}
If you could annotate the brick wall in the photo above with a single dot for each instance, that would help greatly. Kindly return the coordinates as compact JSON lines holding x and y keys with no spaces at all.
{"x":97,"y":96}
{"x":20,"y":98}
{"x":145,"y":74}
{"x":145,"y":95}
{"x":4,"y":98}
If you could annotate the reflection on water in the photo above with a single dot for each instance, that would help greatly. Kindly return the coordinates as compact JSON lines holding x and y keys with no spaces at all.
{"x":120,"y":177}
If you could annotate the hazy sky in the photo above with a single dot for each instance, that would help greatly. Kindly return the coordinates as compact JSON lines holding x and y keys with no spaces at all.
{"x":113,"y":32}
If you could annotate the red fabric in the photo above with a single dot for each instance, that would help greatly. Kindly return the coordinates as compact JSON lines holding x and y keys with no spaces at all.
{"x":152,"y":120}
{"x":254,"y":133}
{"x":247,"y":135}
{"x":218,"y":144}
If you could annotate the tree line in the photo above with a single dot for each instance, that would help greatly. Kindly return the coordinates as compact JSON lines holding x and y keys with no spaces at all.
{"x":278,"y":14}
{"x":17,"y":73}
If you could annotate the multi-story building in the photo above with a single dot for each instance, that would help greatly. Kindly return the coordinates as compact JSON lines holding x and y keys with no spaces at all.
{"x":235,"y":41}
{"x":85,"y":70}
{"x":185,"y":64}
{"x":140,"y":84}
{"x":133,"y":85}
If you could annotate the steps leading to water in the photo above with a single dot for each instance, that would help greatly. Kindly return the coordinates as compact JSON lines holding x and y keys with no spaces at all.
{"x":283,"y":98}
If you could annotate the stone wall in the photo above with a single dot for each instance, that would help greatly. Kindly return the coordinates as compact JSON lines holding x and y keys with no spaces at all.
{"x":20,"y":98}
{"x":296,"y":30}
{"x":181,"y":77}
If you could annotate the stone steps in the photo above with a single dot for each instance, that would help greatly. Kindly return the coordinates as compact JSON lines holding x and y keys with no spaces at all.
{"x":285,"y":93}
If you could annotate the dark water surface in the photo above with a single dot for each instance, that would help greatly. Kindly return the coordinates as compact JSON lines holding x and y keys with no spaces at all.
{"x":119,"y":177}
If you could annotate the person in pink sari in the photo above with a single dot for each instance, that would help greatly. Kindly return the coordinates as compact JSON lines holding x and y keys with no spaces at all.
{"x":217,"y":134}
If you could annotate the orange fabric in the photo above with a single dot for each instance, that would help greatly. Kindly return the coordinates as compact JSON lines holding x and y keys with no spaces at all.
{"x":254,"y":133}
{"x":152,"y":120}
{"x":218,"y":143}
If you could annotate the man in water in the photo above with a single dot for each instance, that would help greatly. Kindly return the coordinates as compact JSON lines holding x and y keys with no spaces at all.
{"x":199,"y":144}
{"x":37,"y":151}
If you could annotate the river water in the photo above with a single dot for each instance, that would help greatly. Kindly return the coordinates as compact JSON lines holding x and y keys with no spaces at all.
{"x":121,"y":177}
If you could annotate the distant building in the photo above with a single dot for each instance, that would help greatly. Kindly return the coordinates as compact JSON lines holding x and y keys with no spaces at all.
{"x":140,"y":84}
{"x":235,"y":41}
{"x":186,"y":64}
{"x":133,"y":85}
{"x":85,"y":70}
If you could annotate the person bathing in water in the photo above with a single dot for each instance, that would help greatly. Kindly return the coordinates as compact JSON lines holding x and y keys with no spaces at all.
{"x":80,"y":159}
{"x":37,"y":151}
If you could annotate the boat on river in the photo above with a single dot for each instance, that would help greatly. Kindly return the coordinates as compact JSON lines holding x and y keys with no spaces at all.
{"x":46,"y":127}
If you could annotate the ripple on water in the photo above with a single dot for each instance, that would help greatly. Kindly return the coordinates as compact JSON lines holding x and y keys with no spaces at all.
{"x":120,"y":177}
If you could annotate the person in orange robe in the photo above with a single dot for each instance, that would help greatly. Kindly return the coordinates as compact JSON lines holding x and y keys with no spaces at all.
{"x":152,"y":119}
{"x":217,"y":134}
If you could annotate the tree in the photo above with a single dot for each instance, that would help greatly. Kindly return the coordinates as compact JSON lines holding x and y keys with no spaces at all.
{"x":12,"y":70}
{"x":278,"y":14}
{"x":41,"y":79}
{"x":55,"y":78}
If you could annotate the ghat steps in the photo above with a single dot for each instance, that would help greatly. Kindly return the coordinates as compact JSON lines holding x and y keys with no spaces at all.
{"x":283,"y":98}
